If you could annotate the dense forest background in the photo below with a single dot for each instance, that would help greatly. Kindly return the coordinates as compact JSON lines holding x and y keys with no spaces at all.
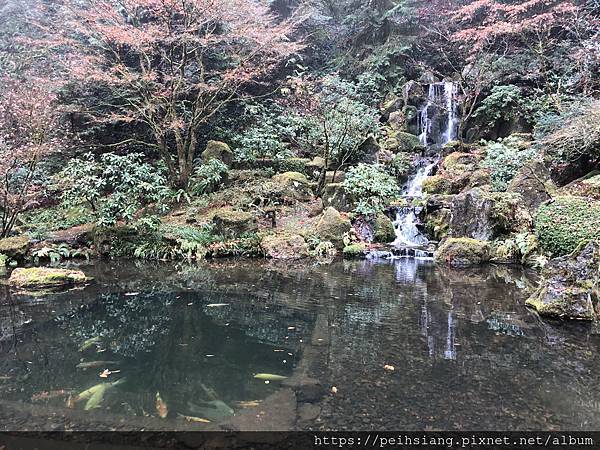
{"x":107,"y":107}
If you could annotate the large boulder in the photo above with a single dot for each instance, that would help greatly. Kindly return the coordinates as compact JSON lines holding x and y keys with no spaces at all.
{"x":44,"y":277}
{"x":297,"y":184}
{"x":232,"y":224}
{"x":336,"y":196}
{"x":332,"y":226}
{"x":482,"y":215}
{"x":570,"y":285}
{"x":218,"y":150}
{"x":285,"y":246}
{"x":533,"y":183}
{"x":383,"y":229}
{"x":401,"y":141}
{"x":15,"y":247}
{"x":463,"y":252}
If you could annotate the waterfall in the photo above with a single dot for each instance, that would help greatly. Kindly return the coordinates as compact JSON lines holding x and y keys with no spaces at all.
{"x":441,"y":97}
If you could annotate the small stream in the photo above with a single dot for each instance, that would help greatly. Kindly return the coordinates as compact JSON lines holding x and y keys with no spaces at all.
{"x":466,"y":353}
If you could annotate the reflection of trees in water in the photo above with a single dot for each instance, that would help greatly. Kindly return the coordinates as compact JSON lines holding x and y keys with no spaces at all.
{"x":127,"y":325}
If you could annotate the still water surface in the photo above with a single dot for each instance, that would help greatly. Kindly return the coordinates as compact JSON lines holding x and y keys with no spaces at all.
{"x":465,"y":352}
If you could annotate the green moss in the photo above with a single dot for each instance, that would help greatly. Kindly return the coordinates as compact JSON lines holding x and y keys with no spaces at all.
{"x":463,"y":252}
{"x":407,"y":142}
{"x":297,"y":165}
{"x":437,"y":184}
{"x":288,"y":177}
{"x":383,"y":229}
{"x":43,"y":277}
{"x":354,"y":250}
{"x":218,"y":150}
{"x":15,"y":247}
{"x":567,"y":221}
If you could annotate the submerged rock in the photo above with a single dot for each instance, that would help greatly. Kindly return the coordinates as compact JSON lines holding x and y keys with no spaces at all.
{"x":218,"y":150}
{"x":231,"y":223}
{"x":285,"y":246}
{"x":463,"y":252}
{"x":570,"y":285}
{"x":332,"y":226}
{"x":44,"y":277}
{"x":15,"y":247}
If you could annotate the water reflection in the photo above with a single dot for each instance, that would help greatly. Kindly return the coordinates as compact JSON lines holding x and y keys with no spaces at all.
{"x":467,"y":353}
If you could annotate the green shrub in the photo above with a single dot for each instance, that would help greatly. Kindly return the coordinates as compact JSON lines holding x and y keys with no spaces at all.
{"x":44,"y":220}
{"x":372,"y":188}
{"x":505,"y":157}
{"x":561,"y":225}
{"x":114,"y":186}
{"x":268,"y":136}
{"x":208,"y":176}
{"x":502,"y":104}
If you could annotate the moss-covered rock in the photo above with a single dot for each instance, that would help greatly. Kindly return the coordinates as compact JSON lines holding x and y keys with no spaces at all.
{"x":407,"y":142}
{"x":483,"y":215}
{"x":587,"y":186}
{"x":44,"y":277}
{"x":15,"y":247}
{"x":570,"y":285}
{"x":218,"y":150}
{"x":437,"y":184}
{"x":355,"y":250}
{"x":463,"y":252}
{"x":296,"y":183}
{"x":336,"y":196}
{"x":383,"y":229}
{"x":533,"y":183}
{"x":294,"y":165}
{"x":437,"y":224}
{"x":561,"y":225}
{"x":231,"y":223}
{"x":285,"y":246}
{"x":332,"y":226}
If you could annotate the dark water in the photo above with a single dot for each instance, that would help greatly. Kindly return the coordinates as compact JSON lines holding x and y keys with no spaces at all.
{"x":466,"y":353}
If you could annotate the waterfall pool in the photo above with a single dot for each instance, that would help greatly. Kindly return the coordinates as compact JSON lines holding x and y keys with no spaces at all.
{"x":406,"y":344}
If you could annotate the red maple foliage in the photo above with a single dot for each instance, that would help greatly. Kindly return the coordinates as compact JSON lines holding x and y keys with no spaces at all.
{"x":169,"y":65}
{"x":29,"y":124}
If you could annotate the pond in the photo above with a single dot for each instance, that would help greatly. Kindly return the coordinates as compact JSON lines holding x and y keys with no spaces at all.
{"x":389,"y":344}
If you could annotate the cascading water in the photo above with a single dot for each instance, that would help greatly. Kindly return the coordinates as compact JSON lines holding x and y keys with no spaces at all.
{"x":441,"y":98}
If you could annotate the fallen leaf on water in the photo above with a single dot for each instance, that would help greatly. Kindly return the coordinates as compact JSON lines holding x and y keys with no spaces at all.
{"x":194,"y":419}
{"x":269,"y":377}
{"x":249,"y":404}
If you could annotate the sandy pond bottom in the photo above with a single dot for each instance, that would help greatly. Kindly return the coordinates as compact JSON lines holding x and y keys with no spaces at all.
{"x":460,"y":350}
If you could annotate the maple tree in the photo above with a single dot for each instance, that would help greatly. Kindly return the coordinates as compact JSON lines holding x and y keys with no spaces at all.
{"x":169,"y":65}
{"x":29,"y":131}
